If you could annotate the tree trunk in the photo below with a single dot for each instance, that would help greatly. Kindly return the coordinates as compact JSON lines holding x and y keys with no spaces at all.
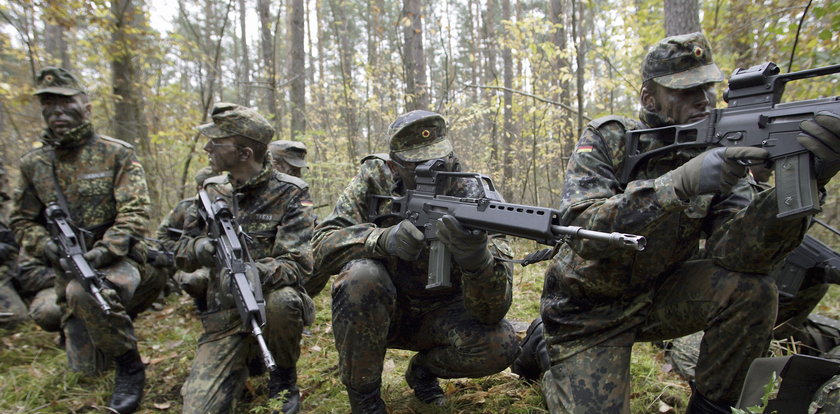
{"x":416,"y":86}
{"x":681,"y":17}
{"x":490,"y":76}
{"x":342,"y":30}
{"x":507,"y":111}
{"x":55,"y":44}
{"x":297,"y":72}
{"x":267,"y":49}
{"x":245,"y":69}
{"x":580,"y":55}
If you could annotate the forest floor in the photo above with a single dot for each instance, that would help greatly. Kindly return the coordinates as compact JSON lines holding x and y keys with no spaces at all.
{"x":35,"y":378}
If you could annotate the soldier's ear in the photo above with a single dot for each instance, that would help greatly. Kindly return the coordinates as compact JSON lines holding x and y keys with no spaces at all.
{"x":245,"y":153}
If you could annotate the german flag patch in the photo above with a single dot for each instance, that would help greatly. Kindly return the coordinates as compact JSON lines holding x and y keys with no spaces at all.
{"x":584,"y":148}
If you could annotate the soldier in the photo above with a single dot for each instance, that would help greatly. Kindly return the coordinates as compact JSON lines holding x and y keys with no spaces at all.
{"x":168,"y":233}
{"x":289,"y":156}
{"x":597,"y":302}
{"x":12,"y":307}
{"x":273,"y":211}
{"x":379,"y":299}
{"x":102,"y":186}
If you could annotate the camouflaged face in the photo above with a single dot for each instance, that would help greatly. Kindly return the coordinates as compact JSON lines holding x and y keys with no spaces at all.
{"x":681,"y":62}
{"x":57,"y":81}
{"x":418,"y":136}
{"x":231,"y":119}
{"x":293,"y":152}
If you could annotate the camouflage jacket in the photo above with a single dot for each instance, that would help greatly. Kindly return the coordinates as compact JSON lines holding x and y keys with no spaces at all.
{"x":276,"y":213}
{"x":105,"y":188}
{"x":172,"y":225}
{"x":593,"y":292}
{"x":347,"y":234}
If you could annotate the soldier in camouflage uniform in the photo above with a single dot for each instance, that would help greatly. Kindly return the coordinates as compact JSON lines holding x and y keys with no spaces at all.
{"x":99,"y":181}
{"x":379,"y":300}
{"x":273,"y":209}
{"x":289,"y":156}
{"x":12,"y":307}
{"x":167,"y":234}
{"x":598,"y":301}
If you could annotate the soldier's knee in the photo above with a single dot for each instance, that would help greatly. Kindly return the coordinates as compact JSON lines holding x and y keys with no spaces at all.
{"x":362,"y":278}
{"x":45,"y":311}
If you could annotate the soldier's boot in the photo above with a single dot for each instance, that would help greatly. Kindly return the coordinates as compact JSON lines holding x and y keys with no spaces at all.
{"x":699,"y":404}
{"x":424,"y":384}
{"x":533,"y":358}
{"x":367,"y":399}
{"x":128,"y":382}
{"x":282,"y":383}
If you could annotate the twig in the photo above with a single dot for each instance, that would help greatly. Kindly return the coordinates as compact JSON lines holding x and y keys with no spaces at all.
{"x":539,"y":98}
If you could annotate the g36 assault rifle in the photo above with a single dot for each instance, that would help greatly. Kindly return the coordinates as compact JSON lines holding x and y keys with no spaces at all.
{"x":756,"y":118}
{"x":71,"y":246}
{"x":232,"y":256}
{"x":428,"y":203}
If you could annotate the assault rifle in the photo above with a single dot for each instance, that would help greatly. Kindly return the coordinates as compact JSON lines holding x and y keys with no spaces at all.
{"x":756,"y":118}
{"x":71,"y":246}
{"x":428,"y":203}
{"x":810,"y":254}
{"x":232,"y":256}
{"x":160,"y":256}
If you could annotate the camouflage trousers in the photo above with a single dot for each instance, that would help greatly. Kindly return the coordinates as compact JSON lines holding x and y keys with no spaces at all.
{"x":12,"y":307}
{"x":45,"y":310}
{"x":367,"y":319}
{"x":735,"y":310}
{"x":221,"y":363}
{"x":112,"y":334}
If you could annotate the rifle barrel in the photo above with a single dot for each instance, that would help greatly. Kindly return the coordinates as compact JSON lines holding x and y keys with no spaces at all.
{"x":627,"y":241}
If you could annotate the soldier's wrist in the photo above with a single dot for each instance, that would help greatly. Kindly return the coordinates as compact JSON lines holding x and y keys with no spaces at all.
{"x":373,"y":244}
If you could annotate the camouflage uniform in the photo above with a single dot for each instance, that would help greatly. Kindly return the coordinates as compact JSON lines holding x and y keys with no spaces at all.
{"x":274,"y":211}
{"x":105,"y":190}
{"x":598,"y":301}
{"x":36,"y":280}
{"x":380,"y":301}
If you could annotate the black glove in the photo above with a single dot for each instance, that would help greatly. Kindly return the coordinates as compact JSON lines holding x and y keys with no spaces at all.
{"x":99,"y":257}
{"x":821,"y":136}
{"x":468,"y":247}
{"x":161,"y":259}
{"x":714,"y":171}
{"x":51,"y":253}
{"x":539,"y":256}
{"x":403,"y":240}
{"x":6,"y":251}
{"x":205,"y":252}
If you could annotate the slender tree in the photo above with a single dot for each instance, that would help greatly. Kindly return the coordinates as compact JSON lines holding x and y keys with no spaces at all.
{"x":681,"y":17}
{"x":414,"y":57}
{"x":297,"y":69}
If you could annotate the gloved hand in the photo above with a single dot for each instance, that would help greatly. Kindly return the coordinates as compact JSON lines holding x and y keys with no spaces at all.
{"x":99,"y":257}
{"x":162,"y":260}
{"x":205,"y":251}
{"x":51,"y":253}
{"x":821,"y":136}
{"x":714,"y":171}
{"x":403,"y":240}
{"x":468,"y":247}
{"x":6,"y":251}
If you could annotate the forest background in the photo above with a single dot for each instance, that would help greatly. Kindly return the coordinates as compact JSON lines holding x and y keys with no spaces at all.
{"x":517,"y":80}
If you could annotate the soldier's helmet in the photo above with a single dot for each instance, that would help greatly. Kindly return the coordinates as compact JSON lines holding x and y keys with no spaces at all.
{"x":57,"y":81}
{"x":418,"y":136}
{"x":681,"y":62}
{"x":230,"y":119}
{"x":293,"y":152}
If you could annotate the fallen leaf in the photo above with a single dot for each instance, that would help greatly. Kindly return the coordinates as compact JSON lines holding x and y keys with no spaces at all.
{"x":163,"y":406}
{"x":665,"y":408}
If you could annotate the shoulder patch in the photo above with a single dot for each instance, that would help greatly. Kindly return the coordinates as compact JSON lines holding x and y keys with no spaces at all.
{"x":116,"y":141}
{"x":298,"y":182}
{"x":383,"y":157}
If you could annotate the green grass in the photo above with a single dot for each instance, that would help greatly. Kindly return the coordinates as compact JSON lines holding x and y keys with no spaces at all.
{"x":35,"y":378}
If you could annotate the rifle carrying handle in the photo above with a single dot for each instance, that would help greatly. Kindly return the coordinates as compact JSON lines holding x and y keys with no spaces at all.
{"x":440,"y":266}
{"x":796,"y":187}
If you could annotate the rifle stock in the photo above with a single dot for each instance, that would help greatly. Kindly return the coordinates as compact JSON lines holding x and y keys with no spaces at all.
{"x":72,"y":248}
{"x":232,"y":256}
{"x":426,"y":204}
{"x":755,"y":117}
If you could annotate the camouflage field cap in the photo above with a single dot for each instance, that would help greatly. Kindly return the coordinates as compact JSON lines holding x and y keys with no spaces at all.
{"x":293,"y":152}
{"x":418,"y":136}
{"x":681,"y":62}
{"x":57,"y":81}
{"x":230,"y":119}
{"x":203,"y":174}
